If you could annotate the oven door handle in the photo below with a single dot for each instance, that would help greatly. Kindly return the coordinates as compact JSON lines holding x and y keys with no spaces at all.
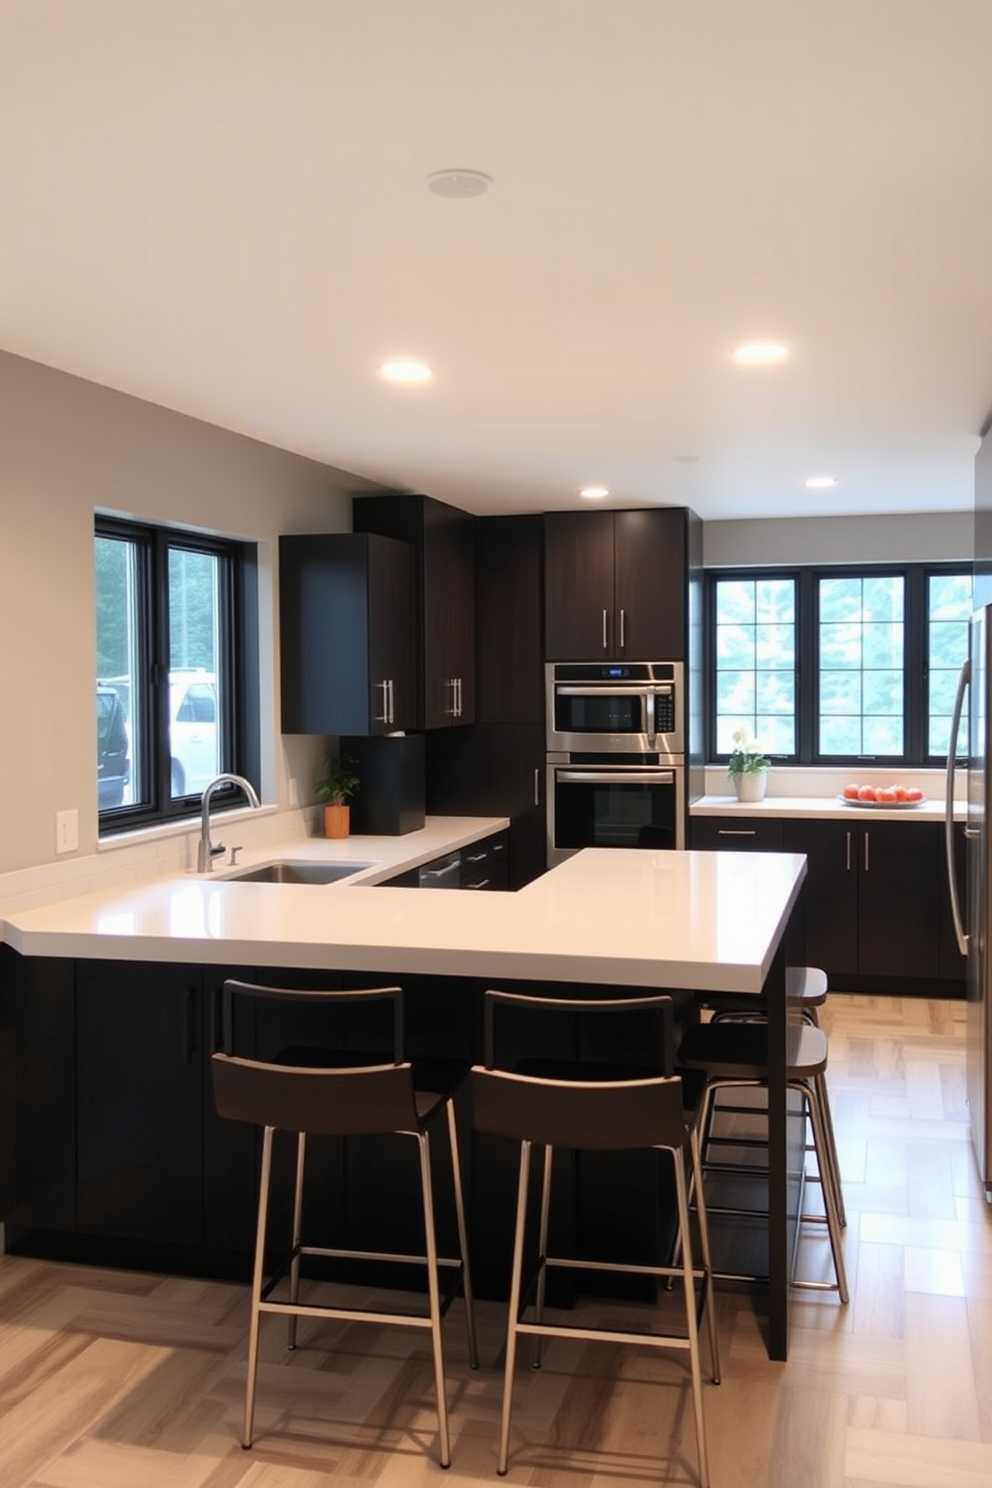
{"x":608,"y":689}
{"x":620,"y":776}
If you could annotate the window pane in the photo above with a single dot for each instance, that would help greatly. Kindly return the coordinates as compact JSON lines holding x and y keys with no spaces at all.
{"x":861,"y":684}
{"x":949,"y":606}
{"x":119,"y":742}
{"x":755,"y":646}
{"x":195,"y":674}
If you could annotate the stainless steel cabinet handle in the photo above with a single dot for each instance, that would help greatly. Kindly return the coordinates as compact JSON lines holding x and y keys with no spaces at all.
{"x":476,"y":857}
{"x":605,"y":637}
{"x":392,"y":710}
{"x":623,"y":629}
{"x":867,"y":835}
{"x":848,"y":865}
{"x":458,"y":686}
{"x":537,"y":787}
{"x":383,"y":717}
{"x":736,"y":832}
{"x":483,"y":883}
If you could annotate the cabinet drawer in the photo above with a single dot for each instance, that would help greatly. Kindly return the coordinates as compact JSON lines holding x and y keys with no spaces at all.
{"x":737,"y":833}
{"x":484,"y":864}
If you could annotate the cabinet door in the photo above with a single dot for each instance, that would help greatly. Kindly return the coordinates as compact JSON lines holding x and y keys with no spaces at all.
{"x":392,"y":650}
{"x":650,"y":567}
{"x":579,"y":586}
{"x":449,"y":610}
{"x":140,"y":1091}
{"x":494,"y":770}
{"x":346,"y":634}
{"x":830,"y":891}
{"x":444,"y":645}
{"x":37,"y":1092}
{"x":509,"y":619}
{"x":898,"y":904}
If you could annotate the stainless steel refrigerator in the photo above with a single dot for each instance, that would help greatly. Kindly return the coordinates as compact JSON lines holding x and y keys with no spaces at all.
{"x":970,"y":902}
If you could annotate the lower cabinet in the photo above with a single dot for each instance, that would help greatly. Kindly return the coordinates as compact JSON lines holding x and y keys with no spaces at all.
{"x":480,"y":865}
{"x":494,"y":769}
{"x":875,"y":901}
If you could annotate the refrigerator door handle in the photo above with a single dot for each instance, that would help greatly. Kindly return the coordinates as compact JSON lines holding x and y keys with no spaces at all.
{"x":952,"y":752}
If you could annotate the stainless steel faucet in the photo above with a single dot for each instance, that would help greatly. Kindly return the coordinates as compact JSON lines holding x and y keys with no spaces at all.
{"x":206,"y":851}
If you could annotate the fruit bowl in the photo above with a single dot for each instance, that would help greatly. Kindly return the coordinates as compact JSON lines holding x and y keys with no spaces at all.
{"x":887,"y":797}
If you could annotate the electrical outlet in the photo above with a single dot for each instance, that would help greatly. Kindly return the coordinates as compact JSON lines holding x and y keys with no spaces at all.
{"x":294,"y":792}
{"x":66,"y":831}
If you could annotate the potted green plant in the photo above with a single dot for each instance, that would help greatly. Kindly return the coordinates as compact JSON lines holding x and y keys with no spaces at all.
{"x":748,"y":767}
{"x":338,"y":783}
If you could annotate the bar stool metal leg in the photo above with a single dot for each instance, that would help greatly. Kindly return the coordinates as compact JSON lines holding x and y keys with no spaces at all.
{"x":456,"y":1175}
{"x":256,"y":1285}
{"x":542,"y":1251}
{"x":688,"y":1282}
{"x":434,"y":1294}
{"x":294,"y":1267}
{"x":514,"y":1308}
{"x":829,"y":1196}
{"x":705,"y":1255}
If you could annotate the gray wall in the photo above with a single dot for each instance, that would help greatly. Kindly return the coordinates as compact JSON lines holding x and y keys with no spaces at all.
{"x":925,"y":538}
{"x":67,"y":449}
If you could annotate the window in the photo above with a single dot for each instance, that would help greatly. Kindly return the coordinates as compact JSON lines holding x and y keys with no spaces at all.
{"x":174,"y":648}
{"x":834,"y":666}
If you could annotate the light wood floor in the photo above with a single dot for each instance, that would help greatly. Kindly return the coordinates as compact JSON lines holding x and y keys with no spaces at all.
{"x":112,"y":1380}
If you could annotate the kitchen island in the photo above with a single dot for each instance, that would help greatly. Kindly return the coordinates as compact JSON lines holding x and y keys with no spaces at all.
{"x":683,"y":922}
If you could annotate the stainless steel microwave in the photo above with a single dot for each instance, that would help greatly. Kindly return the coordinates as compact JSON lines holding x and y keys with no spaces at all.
{"x":622,"y":707}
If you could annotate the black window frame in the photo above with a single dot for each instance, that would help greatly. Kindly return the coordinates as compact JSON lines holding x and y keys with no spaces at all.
{"x":915,"y":669}
{"x":238,"y":641}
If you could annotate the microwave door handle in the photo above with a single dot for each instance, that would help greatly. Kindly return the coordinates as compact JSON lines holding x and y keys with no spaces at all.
{"x":649,"y":718}
{"x":615,"y":777}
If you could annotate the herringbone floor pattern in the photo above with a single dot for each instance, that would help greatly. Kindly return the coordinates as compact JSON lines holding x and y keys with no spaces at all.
{"x":112,"y":1380}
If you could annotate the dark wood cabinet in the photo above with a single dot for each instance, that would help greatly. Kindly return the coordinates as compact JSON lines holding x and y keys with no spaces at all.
{"x":616,"y":585}
{"x":509,"y":618}
{"x":347,"y":643}
{"x":139,"y":1075}
{"x":747,"y":834}
{"x":37,"y":1093}
{"x":442,"y":540}
{"x":495,"y":769}
{"x":872,"y":896}
{"x":874,"y":905}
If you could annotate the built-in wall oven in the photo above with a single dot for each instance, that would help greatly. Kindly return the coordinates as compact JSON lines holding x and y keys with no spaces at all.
{"x":616,"y":756}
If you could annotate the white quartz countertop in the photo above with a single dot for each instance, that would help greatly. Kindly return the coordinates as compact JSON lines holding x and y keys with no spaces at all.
{"x":824,"y":808}
{"x":638,"y":918}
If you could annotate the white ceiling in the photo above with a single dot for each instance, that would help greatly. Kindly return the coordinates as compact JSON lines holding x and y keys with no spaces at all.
{"x":220,"y":205}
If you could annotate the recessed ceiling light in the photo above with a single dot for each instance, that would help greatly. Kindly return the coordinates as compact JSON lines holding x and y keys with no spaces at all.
{"x":753,"y":352}
{"x":406,"y":371}
{"x":594,"y":493}
{"x":820,"y":482}
{"x":459,"y":183}
{"x":686,"y":459}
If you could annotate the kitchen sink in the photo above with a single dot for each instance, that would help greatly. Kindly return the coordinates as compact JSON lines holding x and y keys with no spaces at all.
{"x":286,"y":871}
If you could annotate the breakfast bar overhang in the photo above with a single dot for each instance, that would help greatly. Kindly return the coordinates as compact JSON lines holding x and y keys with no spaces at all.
{"x":679,"y":921}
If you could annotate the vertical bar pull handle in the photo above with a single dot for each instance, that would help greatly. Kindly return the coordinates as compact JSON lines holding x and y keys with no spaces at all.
{"x":537,"y":787}
{"x":605,"y":632}
{"x":867,"y":836}
{"x":623,"y":629}
{"x":848,"y":852}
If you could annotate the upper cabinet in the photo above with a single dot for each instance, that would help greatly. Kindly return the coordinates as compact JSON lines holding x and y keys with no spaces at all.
{"x":615,"y":585}
{"x":346,"y":606}
{"x":441,"y":537}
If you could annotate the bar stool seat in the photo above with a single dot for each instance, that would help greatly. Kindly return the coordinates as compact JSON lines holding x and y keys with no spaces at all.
{"x":806,"y":985}
{"x":336,"y":1091}
{"x":596,"y":1106}
{"x":733,"y":1054}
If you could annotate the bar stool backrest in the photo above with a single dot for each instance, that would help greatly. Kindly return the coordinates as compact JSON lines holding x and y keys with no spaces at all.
{"x":331,"y":1090}
{"x":582,"y":1103}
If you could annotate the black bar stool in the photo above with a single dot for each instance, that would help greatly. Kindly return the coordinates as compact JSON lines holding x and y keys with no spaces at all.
{"x":335,"y":1091}
{"x":807,"y":987}
{"x":607,"y":1107}
{"x":733,"y":1053}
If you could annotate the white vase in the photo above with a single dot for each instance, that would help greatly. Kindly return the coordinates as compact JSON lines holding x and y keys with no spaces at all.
{"x":750,"y":785}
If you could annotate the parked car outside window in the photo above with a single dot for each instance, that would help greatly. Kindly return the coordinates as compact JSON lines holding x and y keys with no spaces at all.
{"x":113,"y":767}
{"x":193,"y":736}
